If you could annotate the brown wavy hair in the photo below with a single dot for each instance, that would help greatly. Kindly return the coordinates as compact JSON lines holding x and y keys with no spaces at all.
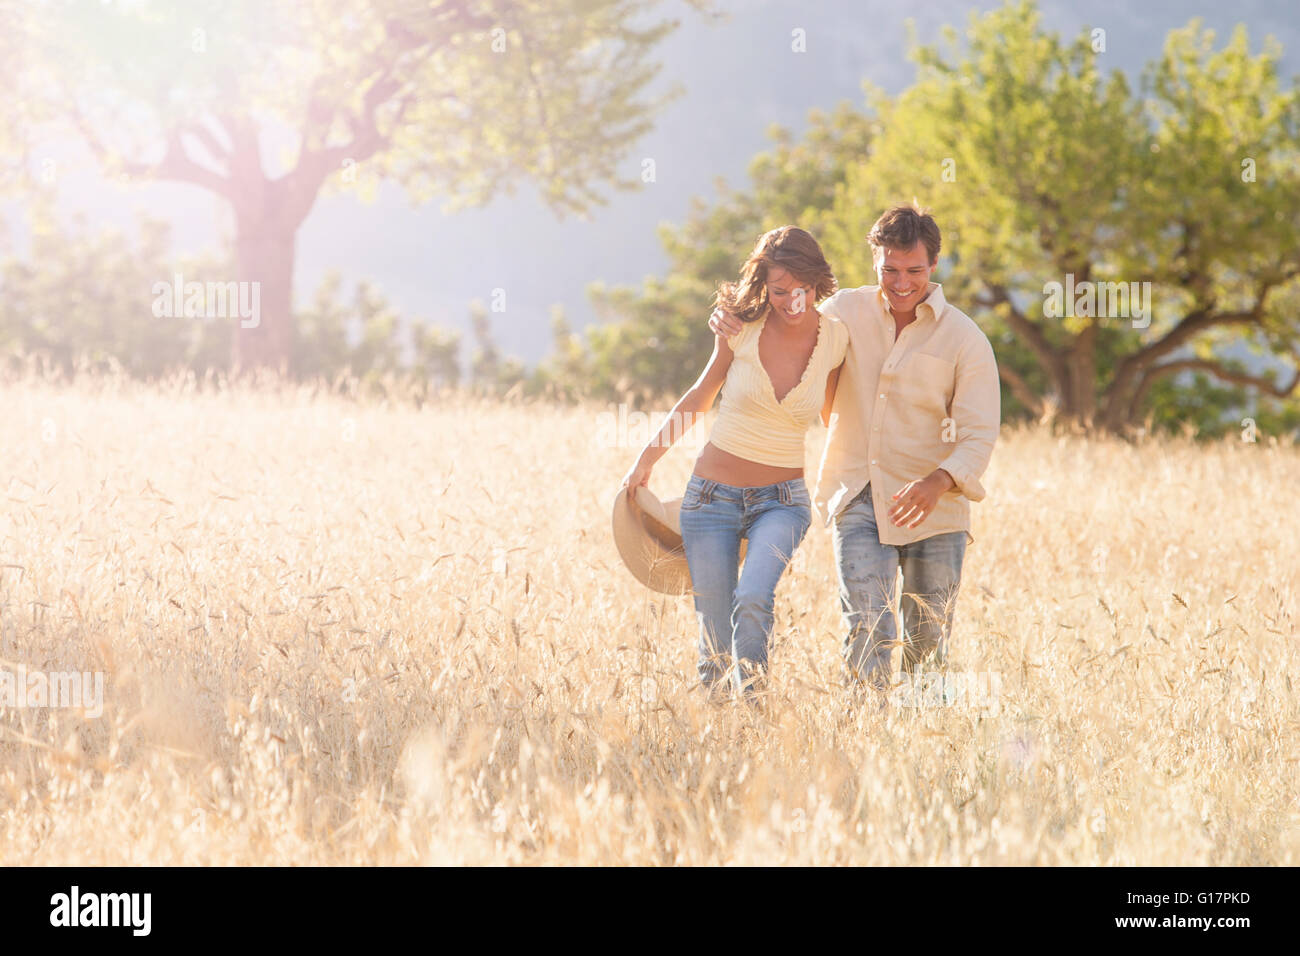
{"x":791,"y":248}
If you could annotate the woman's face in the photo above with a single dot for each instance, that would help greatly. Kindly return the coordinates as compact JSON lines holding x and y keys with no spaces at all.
{"x":791,"y":299}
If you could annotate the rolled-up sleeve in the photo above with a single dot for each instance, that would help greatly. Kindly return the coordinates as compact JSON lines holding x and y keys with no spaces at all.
{"x":976,"y":412}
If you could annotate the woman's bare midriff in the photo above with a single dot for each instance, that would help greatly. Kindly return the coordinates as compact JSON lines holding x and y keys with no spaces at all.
{"x":728,"y":469}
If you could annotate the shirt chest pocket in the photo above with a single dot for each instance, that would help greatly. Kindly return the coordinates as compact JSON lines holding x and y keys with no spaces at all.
{"x":925,"y":382}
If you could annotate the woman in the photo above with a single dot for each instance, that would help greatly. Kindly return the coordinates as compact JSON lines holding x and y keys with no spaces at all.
{"x":775,"y":375}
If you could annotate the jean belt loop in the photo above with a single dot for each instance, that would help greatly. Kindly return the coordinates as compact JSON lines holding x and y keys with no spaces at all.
{"x":706,"y":492}
{"x":784,"y":494}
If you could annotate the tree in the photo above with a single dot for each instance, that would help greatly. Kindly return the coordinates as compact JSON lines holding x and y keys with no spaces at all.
{"x":1040,"y":171}
{"x":84,"y":298}
{"x":437,"y":354}
{"x":566,"y":373}
{"x":364,"y":336}
{"x":454,"y":98}
{"x":491,"y":371}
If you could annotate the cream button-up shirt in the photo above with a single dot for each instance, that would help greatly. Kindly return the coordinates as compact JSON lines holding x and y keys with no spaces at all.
{"x":930,"y":399}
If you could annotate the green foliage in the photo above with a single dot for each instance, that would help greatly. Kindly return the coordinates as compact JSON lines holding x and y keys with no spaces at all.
{"x":81,"y":297}
{"x":79,"y":300}
{"x":1038,"y":166}
{"x":566,"y":373}
{"x":437,"y":353}
{"x":1205,"y":408}
{"x":490,"y":370}
{"x":459,"y":100}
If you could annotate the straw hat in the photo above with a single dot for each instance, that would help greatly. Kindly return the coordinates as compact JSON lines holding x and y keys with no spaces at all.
{"x":648,"y":535}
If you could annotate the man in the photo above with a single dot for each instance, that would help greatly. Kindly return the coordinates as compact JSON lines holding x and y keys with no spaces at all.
{"x":912,"y":426}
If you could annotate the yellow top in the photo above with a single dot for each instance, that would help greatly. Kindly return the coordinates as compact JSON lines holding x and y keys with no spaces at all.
{"x":751,"y":423}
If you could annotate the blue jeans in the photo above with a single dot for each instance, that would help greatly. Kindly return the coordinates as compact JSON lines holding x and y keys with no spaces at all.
{"x":734,"y":608}
{"x":868,"y":569}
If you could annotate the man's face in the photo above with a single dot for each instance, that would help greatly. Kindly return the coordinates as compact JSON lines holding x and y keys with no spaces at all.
{"x":904,"y":275}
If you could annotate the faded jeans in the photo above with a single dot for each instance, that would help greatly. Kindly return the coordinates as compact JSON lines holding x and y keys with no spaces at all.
{"x":868,"y":569}
{"x":734,"y":607}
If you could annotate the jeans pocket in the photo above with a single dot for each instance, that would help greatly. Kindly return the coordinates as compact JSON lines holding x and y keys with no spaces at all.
{"x":692,"y":500}
{"x":800,"y":498}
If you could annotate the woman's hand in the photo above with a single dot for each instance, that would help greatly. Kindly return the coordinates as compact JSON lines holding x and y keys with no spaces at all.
{"x":724,"y":323}
{"x":638,"y":476}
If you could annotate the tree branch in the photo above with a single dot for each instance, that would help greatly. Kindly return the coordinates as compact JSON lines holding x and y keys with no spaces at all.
{"x":175,"y":164}
{"x":315,"y":165}
{"x":1128,"y":370}
{"x":1020,"y":388}
{"x":216,"y":149}
{"x":1264,"y":383}
{"x":1048,"y":356}
{"x":1205,"y":318}
{"x":1155,"y":372}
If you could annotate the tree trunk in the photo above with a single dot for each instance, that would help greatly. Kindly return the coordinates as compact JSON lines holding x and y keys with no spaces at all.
{"x":1081,"y":360}
{"x":264,"y":254}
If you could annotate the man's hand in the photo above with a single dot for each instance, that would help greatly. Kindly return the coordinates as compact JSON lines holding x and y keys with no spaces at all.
{"x":724,"y":323}
{"x":916,"y":499}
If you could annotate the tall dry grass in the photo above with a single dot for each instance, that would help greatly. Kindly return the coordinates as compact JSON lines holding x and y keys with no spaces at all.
{"x":342,"y":632}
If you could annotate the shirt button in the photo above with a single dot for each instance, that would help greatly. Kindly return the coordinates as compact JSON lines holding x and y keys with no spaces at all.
{"x":873,"y":461}
{"x":882,"y":394}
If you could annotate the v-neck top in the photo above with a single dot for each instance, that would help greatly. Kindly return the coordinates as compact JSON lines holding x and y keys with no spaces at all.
{"x":751,"y":423}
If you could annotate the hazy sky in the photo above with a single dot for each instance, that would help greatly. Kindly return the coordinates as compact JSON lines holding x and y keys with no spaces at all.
{"x":739,"y":76}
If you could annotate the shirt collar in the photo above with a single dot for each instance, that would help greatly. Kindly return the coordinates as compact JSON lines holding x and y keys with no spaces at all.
{"x":934,"y":301}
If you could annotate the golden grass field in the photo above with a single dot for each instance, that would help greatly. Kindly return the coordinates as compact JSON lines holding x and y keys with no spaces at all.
{"x":354,"y":632}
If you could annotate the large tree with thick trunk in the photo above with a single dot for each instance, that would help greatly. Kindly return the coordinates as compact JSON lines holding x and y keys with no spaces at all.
{"x":451,"y":98}
{"x":1045,"y":169}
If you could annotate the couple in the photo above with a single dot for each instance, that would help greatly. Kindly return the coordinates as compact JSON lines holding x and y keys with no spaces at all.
{"x":909,"y":388}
